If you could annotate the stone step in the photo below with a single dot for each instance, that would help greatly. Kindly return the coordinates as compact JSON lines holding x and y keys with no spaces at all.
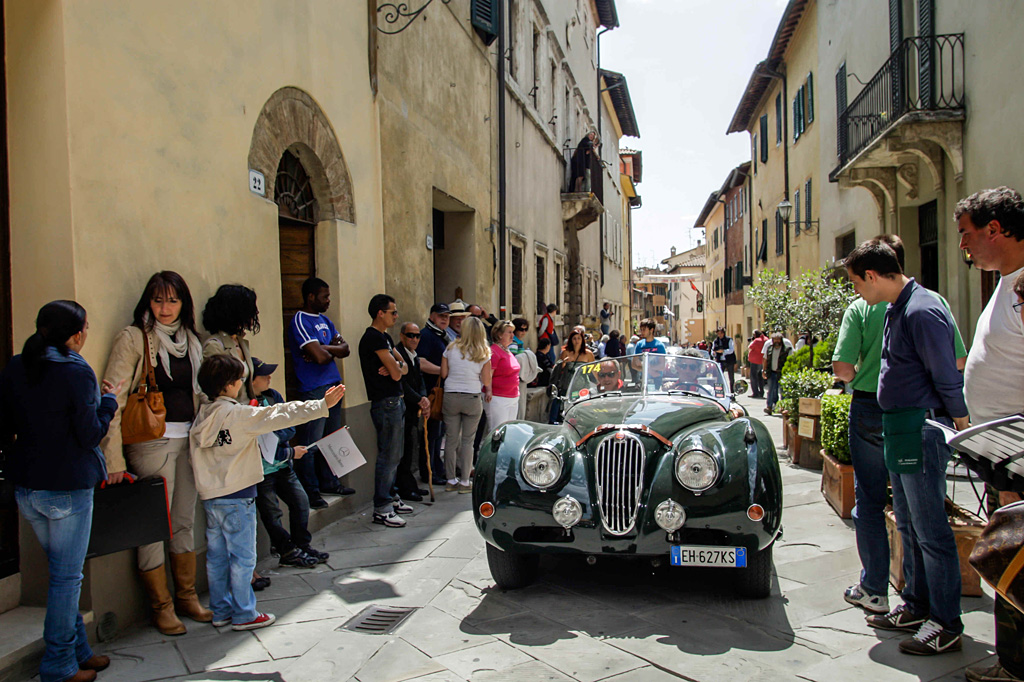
{"x":21,"y":641}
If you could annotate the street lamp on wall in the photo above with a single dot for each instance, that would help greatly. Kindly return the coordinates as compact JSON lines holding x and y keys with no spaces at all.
{"x":786,"y":209}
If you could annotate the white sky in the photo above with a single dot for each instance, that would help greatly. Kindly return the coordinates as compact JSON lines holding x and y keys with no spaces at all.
{"x":687,"y":63}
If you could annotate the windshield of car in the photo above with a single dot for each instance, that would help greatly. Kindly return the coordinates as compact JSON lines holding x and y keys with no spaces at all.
{"x":660,"y":374}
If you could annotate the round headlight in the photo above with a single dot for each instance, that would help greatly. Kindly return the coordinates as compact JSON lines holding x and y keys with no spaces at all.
{"x":696,"y":470}
{"x":567,"y":512}
{"x":670,"y":516}
{"x":541,"y":468}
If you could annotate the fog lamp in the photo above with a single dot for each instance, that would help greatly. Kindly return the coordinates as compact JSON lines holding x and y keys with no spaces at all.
{"x":567,"y":512}
{"x":670,"y":516}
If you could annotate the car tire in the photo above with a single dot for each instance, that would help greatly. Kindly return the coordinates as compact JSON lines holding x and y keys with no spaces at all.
{"x":755,"y":581}
{"x":512,"y":571}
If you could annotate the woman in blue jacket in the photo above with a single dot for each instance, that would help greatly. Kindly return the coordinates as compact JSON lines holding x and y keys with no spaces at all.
{"x":52,"y":419}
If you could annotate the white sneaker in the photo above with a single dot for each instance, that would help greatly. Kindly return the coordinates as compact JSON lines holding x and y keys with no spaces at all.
{"x":856,"y":595}
{"x":403,"y":508}
{"x":391,"y":520}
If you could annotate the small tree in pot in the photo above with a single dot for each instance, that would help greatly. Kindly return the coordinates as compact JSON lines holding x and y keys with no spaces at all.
{"x":837,"y":470}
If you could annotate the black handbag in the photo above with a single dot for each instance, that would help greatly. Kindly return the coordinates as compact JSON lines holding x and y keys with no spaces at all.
{"x":129,"y":515}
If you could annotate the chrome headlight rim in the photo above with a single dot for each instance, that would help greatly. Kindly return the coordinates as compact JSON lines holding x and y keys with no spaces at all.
{"x":714,"y":463}
{"x":557,"y":459}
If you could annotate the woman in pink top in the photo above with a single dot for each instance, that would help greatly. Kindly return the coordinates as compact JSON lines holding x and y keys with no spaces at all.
{"x":504,"y":405}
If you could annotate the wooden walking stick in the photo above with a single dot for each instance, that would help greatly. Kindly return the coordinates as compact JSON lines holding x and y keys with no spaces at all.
{"x":426,"y":444}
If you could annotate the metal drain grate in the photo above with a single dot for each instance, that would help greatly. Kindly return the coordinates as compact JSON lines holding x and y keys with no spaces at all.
{"x":379,"y":620}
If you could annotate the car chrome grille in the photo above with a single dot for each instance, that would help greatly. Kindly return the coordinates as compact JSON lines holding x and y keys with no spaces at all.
{"x":619,"y":474}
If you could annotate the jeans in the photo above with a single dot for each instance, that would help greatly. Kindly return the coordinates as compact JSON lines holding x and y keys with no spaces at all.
{"x":170,"y":458}
{"x":756,"y":381}
{"x":62,"y":520}
{"x":931,"y":566}
{"x":285,"y":485}
{"x":870,"y":481}
{"x":231,"y":558}
{"x":773,"y":389}
{"x":388,"y":417}
{"x":313,"y":471}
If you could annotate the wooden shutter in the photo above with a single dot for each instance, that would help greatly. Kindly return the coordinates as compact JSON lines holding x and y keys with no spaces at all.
{"x":895,"y":24}
{"x":807,"y":200}
{"x":796,"y":213}
{"x":753,"y":154}
{"x":779,"y":113}
{"x":796,"y":116}
{"x":840,"y":108}
{"x":483,"y":14}
{"x":764,"y":138}
{"x":810,"y":97}
{"x":926,"y":64}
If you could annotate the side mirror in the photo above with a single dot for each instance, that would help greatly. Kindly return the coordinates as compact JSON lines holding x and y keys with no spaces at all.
{"x":740,"y":387}
{"x":553,"y":392}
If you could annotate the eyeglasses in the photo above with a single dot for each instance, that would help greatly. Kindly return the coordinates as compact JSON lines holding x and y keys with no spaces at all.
{"x":392,"y":312}
{"x":521,"y":329}
{"x":411,"y":336}
{"x":607,"y":375}
{"x":1018,"y":306}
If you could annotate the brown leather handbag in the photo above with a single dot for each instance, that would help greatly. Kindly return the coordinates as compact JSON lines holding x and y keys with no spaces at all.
{"x":144,"y":416}
{"x":436,"y":400}
{"x":998,"y":555}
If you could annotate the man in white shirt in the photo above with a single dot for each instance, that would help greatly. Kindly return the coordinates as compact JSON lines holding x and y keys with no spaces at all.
{"x":991,"y":227}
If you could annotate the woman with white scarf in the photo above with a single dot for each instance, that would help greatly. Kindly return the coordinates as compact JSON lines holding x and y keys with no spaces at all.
{"x":165,"y":317}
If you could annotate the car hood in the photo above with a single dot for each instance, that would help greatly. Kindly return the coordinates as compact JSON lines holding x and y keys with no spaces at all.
{"x":665,"y":414}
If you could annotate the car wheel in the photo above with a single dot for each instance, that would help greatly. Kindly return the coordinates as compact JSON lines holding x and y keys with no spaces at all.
{"x":755,"y":581}
{"x":510,"y":570}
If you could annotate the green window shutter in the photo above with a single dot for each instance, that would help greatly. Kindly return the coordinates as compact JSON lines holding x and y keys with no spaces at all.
{"x":483,"y":15}
{"x":810,"y":97}
{"x":796,"y":118}
{"x":779,"y":113}
{"x":807,"y":200}
{"x":796,"y":212}
{"x":764,"y":138}
{"x":753,"y":153}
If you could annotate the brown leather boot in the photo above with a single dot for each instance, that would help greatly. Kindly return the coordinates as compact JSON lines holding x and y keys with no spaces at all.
{"x":82,"y":676}
{"x":186,"y":601}
{"x":155,"y":582}
{"x":97,"y":662}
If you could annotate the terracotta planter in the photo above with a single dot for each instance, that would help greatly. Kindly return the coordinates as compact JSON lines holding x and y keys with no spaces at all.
{"x":966,"y":529}
{"x":795,"y":444}
{"x":837,"y":485}
{"x":810,"y":454}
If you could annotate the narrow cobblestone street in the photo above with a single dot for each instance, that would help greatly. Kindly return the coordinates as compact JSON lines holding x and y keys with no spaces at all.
{"x":621,"y":622}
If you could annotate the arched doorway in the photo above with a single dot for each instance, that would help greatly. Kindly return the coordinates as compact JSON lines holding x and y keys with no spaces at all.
{"x":298,"y":214}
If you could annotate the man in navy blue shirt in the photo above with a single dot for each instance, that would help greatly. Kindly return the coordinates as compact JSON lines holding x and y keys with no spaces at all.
{"x":918,"y":378}
{"x":315,"y":345}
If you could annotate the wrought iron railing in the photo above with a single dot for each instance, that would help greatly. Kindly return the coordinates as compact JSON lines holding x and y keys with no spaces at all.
{"x":925,"y":73}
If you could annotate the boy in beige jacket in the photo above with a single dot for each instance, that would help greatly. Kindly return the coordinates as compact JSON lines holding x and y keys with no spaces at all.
{"x":227,"y":463}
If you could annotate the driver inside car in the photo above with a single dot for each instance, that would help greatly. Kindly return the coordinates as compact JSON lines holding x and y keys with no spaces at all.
{"x":609,"y":377}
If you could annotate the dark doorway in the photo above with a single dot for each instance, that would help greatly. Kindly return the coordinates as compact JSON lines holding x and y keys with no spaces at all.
{"x":454,"y":249}
{"x":928,"y":231}
{"x":297,"y":216}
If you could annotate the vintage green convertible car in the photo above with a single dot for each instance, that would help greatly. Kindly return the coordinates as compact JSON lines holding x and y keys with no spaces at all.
{"x":653,"y":460}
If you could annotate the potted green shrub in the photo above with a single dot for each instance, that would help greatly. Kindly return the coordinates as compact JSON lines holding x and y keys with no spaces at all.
{"x":797,"y":384}
{"x":837,"y":469}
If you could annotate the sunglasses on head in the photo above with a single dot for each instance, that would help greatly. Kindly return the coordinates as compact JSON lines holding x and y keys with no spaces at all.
{"x":412,"y":336}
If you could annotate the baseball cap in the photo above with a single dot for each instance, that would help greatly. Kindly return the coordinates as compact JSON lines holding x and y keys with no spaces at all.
{"x":440,"y":308}
{"x":262,"y":369}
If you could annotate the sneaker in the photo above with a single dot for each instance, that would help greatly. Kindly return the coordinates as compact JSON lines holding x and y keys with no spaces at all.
{"x":451,"y":487}
{"x":391,"y":519}
{"x":317,"y":502}
{"x":931,"y":639}
{"x":299,"y":559}
{"x":262,"y":620}
{"x":873,"y":603}
{"x":991,"y":673}
{"x":900,"y":618}
{"x":465,"y":487}
{"x":403,"y":508}
{"x":321,"y":557}
{"x":221,"y":622}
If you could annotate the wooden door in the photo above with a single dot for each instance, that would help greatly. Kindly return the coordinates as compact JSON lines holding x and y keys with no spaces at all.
{"x":298,"y":262}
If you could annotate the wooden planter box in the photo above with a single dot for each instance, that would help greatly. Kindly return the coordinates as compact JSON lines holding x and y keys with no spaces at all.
{"x":837,"y":485}
{"x":807,"y":449}
{"x":785,"y":429}
{"x":966,"y":529}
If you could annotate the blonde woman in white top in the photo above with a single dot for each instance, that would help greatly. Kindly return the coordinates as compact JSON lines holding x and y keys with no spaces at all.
{"x":466,"y":371}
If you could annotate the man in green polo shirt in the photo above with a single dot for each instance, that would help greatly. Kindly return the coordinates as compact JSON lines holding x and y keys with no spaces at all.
{"x":857,"y":360}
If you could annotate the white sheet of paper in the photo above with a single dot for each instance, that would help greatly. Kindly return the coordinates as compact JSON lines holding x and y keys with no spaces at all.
{"x":268,"y":446}
{"x":340,"y":451}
